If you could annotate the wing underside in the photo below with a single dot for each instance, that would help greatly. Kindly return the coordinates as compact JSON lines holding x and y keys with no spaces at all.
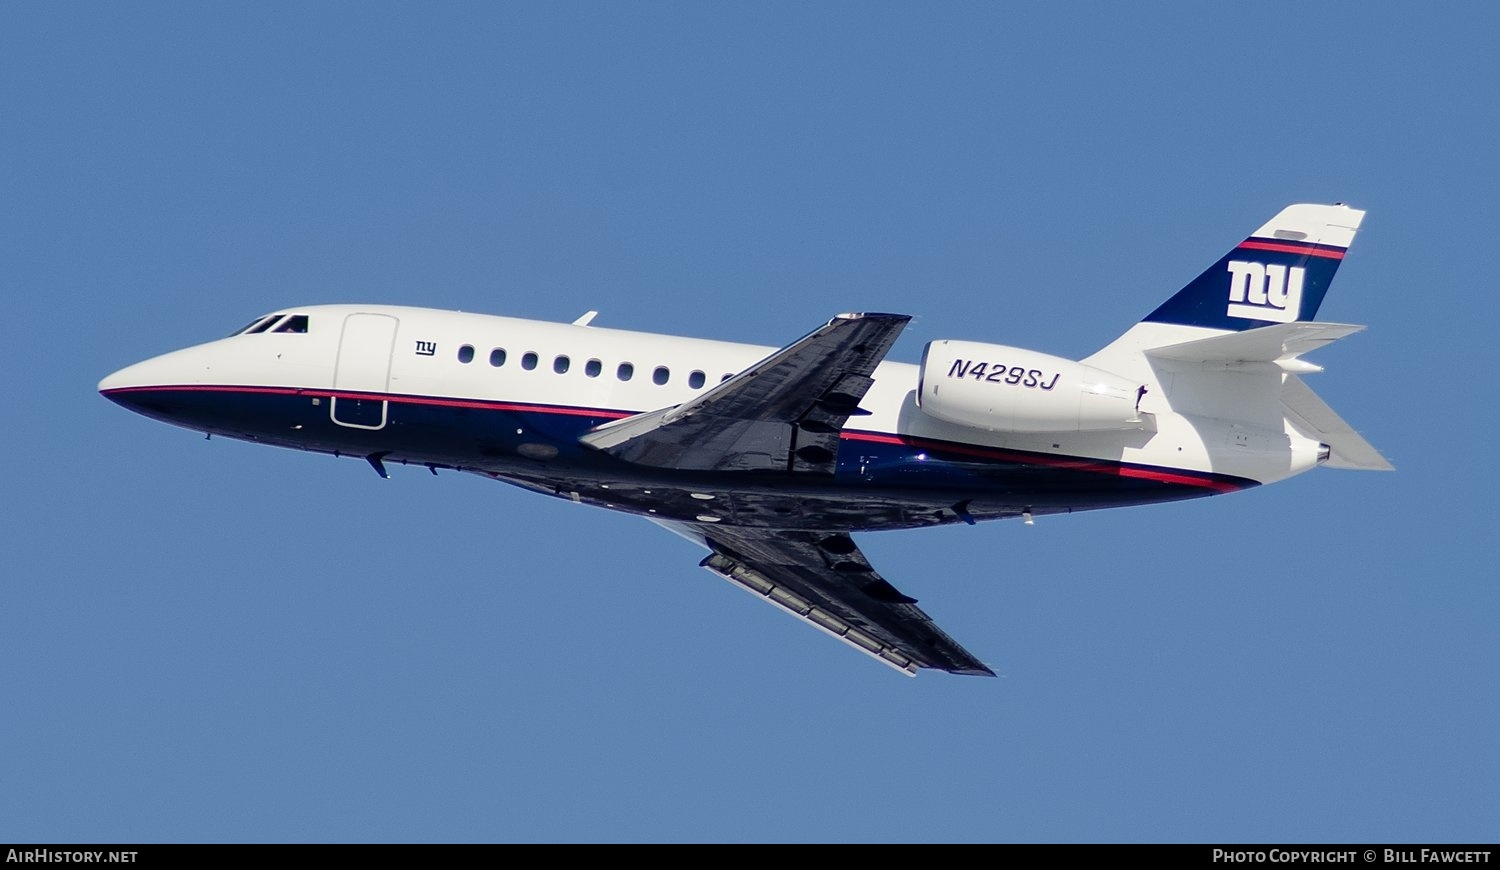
{"x":824,"y":580}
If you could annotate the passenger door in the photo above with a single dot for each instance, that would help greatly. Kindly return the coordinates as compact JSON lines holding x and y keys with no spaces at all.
{"x":363,"y":367}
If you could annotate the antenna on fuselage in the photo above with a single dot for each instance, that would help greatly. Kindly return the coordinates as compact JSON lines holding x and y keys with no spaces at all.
{"x":377,"y":462}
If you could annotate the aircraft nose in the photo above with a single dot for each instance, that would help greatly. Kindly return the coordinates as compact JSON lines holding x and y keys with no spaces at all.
{"x":161,"y":387}
{"x":117,"y":381}
{"x":140,"y":387}
{"x":186,"y":366}
{"x":125,"y":387}
{"x":154,"y":372}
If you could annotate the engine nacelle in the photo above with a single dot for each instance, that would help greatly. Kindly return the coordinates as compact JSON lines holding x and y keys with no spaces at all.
{"x":1008,"y":389}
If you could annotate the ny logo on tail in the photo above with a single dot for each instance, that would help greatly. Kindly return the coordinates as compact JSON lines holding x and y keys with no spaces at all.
{"x":1260,"y":291}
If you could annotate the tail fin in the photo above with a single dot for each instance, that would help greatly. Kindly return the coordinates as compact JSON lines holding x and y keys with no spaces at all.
{"x":1279,"y":274}
{"x":1228,"y":346}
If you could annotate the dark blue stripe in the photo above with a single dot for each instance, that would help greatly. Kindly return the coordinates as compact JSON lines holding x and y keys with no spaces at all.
{"x":483,"y":435}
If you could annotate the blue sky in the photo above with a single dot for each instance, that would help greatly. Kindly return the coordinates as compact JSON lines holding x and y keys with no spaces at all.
{"x":213,"y":641}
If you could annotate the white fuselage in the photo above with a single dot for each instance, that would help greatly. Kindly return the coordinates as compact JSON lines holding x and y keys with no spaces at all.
{"x":419,"y":360}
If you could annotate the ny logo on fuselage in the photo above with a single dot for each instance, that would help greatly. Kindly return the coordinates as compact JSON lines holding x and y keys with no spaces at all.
{"x":1265,"y":291}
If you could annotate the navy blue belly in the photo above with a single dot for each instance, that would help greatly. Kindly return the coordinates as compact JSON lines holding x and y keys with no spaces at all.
{"x":880,"y":480}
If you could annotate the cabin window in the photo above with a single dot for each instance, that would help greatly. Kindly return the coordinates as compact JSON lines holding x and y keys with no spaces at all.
{"x":661,"y":375}
{"x":625,"y":372}
{"x":466,"y":353}
{"x":727,"y":376}
{"x":592,"y":368}
{"x":296,"y":323}
{"x":695,"y":380}
{"x":561,"y":364}
{"x":497,"y":357}
{"x":528,"y":360}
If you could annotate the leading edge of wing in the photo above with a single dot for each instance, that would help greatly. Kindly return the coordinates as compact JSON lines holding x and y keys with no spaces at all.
{"x":782,"y":414}
{"x":822,"y":579}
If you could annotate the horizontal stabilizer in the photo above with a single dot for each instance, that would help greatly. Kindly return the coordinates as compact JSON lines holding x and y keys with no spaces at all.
{"x":1281,"y":344}
{"x":1347,"y":448}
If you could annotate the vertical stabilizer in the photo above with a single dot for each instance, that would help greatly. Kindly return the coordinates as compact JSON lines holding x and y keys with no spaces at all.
{"x":1279,"y":274}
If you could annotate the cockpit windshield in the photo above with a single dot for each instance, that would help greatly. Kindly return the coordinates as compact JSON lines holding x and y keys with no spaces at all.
{"x":259,"y":321}
{"x":279,"y":322}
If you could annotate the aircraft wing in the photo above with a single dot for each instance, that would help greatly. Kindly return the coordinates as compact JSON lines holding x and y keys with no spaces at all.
{"x":823,"y":579}
{"x":782,"y":414}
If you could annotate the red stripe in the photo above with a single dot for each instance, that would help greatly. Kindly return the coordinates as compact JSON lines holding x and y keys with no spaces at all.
{"x":406,"y":400}
{"x":1309,"y":250}
{"x":210,"y":388}
{"x":1088,"y":465}
{"x":1185,"y":480}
